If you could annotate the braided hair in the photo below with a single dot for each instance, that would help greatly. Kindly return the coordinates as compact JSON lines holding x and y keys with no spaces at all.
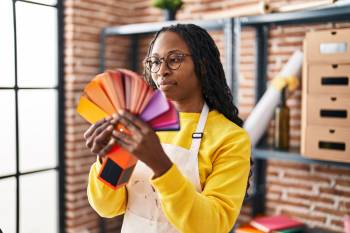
{"x":208,"y":69}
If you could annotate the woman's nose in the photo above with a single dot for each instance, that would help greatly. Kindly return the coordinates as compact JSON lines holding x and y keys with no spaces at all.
{"x":163,"y":69}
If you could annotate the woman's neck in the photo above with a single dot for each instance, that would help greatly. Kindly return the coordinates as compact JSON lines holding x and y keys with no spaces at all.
{"x":195,"y":105}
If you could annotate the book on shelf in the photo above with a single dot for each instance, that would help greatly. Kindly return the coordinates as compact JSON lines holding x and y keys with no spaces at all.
{"x":276,"y":223}
{"x":250,"y":229}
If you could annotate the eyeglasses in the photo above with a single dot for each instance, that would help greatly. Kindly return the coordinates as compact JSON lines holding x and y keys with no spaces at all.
{"x":172,"y":60}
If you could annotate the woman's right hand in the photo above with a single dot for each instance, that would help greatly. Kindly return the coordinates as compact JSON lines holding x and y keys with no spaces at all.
{"x":98,"y":136}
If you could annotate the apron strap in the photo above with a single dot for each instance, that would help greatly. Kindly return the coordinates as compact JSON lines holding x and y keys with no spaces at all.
{"x":197,"y":136}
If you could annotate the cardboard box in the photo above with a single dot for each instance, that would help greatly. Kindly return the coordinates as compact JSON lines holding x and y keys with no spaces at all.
{"x":328,"y":143}
{"x":325,"y":126}
{"x":328,"y":78}
{"x":330,"y":110}
{"x":330,"y":46}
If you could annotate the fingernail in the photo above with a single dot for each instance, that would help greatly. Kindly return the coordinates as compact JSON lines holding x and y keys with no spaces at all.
{"x":114,"y":115}
{"x":110,"y":127}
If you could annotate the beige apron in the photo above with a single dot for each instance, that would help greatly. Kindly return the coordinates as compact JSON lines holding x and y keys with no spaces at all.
{"x":143,"y":211}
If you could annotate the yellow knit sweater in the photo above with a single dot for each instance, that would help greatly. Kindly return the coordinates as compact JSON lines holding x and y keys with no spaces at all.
{"x":224,"y":163}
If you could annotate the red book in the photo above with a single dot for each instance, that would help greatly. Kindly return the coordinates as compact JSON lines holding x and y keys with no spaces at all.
{"x":273,"y":223}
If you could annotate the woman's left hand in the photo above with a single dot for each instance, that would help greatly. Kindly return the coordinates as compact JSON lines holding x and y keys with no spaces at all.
{"x":142,"y":142}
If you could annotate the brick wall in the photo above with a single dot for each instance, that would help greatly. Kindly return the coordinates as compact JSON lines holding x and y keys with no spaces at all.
{"x":84,"y":20}
{"x":313,"y":193}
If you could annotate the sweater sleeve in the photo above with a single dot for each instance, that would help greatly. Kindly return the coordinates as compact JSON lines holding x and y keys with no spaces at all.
{"x":105,"y":201}
{"x":217,"y":207}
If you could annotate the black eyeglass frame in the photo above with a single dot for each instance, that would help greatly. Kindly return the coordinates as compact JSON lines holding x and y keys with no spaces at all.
{"x":147,"y":61}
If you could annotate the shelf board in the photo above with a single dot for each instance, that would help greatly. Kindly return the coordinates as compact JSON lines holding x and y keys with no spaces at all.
{"x":145,"y":28}
{"x":329,"y":13}
{"x":292,"y":155}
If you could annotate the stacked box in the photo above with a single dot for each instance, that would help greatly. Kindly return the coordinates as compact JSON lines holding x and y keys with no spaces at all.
{"x":326,"y":96}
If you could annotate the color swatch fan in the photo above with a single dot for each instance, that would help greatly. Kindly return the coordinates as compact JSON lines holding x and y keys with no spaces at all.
{"x":123,"y":89}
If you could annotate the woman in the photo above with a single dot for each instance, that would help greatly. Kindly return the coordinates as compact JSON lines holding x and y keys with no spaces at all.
{"x":192,"y":180}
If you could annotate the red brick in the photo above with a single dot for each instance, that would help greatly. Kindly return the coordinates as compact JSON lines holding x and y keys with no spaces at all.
{"x":82,"y":220}
{"x":294,"y":186}
{"x":312,"y":198}
{"x":289,"y":165}
{"x":345,"y":206}
{"x":343,"y":182}
{"x":332,"y":170}
{"x":308,"y":178}
{"x":286,"y":203}
{"x":335,"y":191}
{"x":304,"y":217}
{"x":332,"y":211}
{"x":338,"y":223}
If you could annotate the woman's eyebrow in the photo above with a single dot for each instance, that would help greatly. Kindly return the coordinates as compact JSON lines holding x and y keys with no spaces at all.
{"x":174,"y":50}
{"x":171,"y":51}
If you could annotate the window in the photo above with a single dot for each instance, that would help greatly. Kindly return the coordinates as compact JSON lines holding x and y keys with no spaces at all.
{"x":31,"y":101}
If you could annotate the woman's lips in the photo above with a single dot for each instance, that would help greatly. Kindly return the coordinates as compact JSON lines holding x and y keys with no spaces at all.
{"x":166,"y":84}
